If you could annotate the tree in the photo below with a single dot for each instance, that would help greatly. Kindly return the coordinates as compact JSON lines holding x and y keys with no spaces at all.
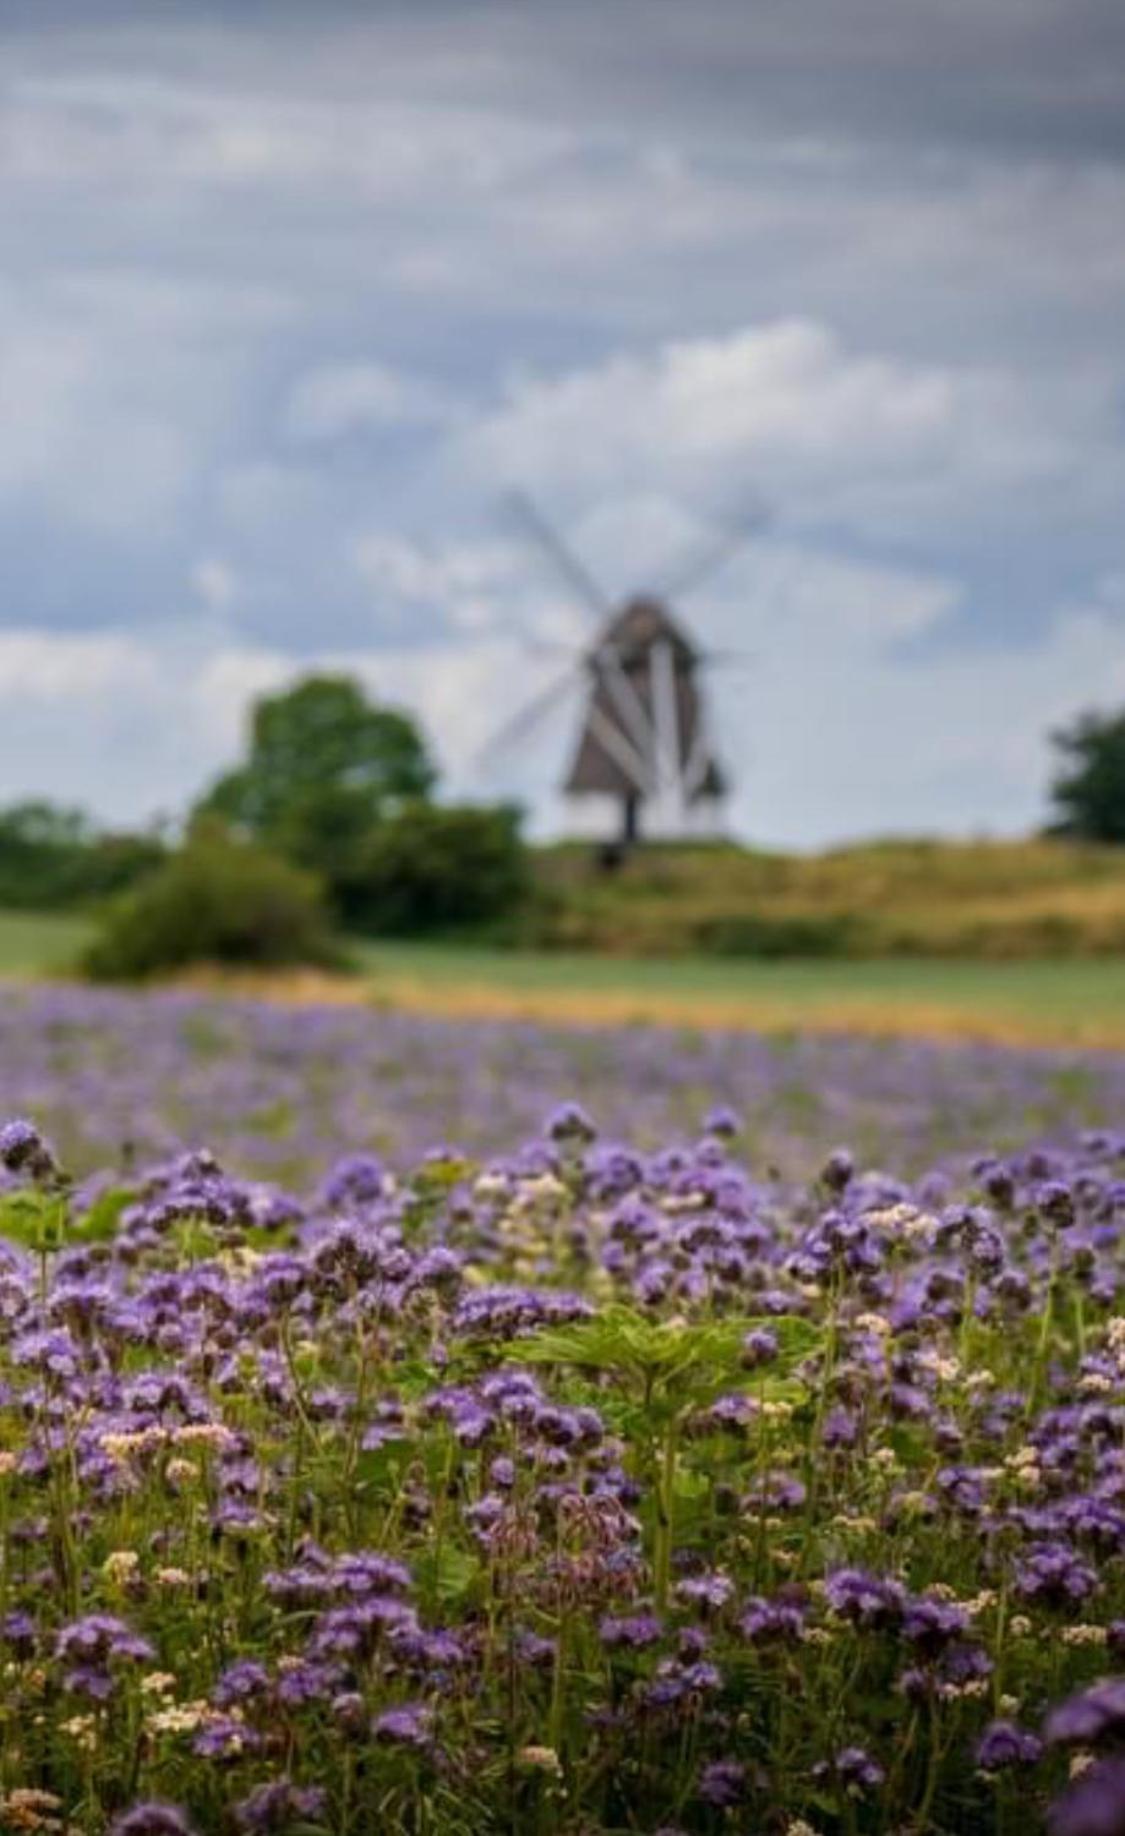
{"x":324,"y":765}
{"x":1088,"y":791}
{"x":434,"y":867}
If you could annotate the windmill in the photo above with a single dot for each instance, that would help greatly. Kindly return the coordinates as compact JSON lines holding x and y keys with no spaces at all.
{"x":645,"y":760}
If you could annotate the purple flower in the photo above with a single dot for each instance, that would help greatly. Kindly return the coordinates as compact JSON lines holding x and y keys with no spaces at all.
{"x":931,"y":1625}
{"x":569,"y":1122}
{"x":273,"y":1807}
{"x":1093,"y":1805}
{"x":151,"y":1819}
{"x":408,"y":1726}
{"x":225,"y":1739}
{"x":24,"y":1150}
{"x":758,"y":1347}
{"x":722,"y":1784}
{"x":771,"y":1621}
{"x":631,"y":1632}
{"x":241,"y":1681}
{"x":1090,"y":1715}
{"x":838,"y":1170}
{"x":853,"y":1770}
{"x":1004,"y":1745}
{"x":867,"y":1600}
{"x":1052,"y":1573}
{"x":722,"y":1121}
{"x":710,"y":1592}
{"x":95,"y":1644}
{"x":1055,"y":1202}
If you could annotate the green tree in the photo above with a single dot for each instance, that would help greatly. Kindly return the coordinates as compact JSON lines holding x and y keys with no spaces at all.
{"x":1088,"y":790}
{"x":437,"y":867}
{"x":324,"y":764}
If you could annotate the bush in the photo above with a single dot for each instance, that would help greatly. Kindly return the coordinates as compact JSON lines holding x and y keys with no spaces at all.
{"x":438,"y":868}
{"x":216,"y":901}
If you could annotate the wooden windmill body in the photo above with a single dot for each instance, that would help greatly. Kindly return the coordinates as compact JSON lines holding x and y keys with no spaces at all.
{"x":644,"y":760}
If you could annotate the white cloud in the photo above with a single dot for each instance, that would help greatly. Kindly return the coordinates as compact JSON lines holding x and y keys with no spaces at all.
{"x":54,"y":669}
{"x":822,"y":432}
{"x":474,"y":587}
{"x":215,"y":583}
{"x":116,"y":392}
{"x":349,"y":398}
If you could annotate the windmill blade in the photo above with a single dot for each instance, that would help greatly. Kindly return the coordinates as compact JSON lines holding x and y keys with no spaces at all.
{"x":714,"y":553}
{"x":578,"y":578}
{"x":528,"y":717}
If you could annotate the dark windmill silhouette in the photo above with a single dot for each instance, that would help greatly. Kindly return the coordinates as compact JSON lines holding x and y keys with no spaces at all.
{"x":645,"y":751}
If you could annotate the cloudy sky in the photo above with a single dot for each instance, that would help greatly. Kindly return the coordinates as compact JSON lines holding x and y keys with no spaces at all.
{"x":293,"y":294}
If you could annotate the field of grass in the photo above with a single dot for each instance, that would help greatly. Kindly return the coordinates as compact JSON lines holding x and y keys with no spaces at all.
{"x":1061,"y":1002}
{"x":39,"y":943}
{"x":996,"y":900}
{"x":1058,"y":1003}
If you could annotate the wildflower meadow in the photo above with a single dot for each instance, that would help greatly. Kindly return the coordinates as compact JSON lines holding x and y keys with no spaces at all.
{"x":564,"y":1461}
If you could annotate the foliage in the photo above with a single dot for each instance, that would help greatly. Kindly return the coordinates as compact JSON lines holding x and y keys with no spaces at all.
{"x":54,"y":858}
{"x":217,"y":900}
{"x":321,"y":754}
{"x":1088,"y":791}
{"x":437,"y":867}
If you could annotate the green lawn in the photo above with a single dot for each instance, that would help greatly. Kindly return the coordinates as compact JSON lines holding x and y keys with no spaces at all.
{"x":39,"y":943}
{"x":1063,"y":1002}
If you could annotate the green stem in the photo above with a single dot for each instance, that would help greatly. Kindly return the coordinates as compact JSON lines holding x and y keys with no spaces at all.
{"x":665,"y":1521}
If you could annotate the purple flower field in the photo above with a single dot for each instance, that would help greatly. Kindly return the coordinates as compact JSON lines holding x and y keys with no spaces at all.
{"x":280,"y":1092}
{"x":386,"y":1445}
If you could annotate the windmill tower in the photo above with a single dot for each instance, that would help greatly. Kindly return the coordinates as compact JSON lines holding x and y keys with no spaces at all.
{"x":645,"y":757}
{"x":645,"y":762}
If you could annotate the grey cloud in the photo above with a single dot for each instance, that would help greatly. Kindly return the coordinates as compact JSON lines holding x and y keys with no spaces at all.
{"x":291,"y":292}
{"x":1023,"y":74}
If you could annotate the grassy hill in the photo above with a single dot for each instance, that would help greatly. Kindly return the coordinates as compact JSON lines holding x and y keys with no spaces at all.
{"x":994,"y":900}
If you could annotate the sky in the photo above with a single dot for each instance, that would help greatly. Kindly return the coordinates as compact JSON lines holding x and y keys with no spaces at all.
{"x":293,"y":296}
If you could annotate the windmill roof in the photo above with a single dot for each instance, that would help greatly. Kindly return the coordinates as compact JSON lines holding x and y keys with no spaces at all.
{"x":644,"y":621}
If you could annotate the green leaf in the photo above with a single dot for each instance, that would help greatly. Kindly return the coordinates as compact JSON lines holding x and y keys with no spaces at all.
{"x":447,"y":1574}
{"x":32,"y":1219}
{"x":675,"y":1362}
{"x":379,"y":1467}
{"x":98,"y":1224}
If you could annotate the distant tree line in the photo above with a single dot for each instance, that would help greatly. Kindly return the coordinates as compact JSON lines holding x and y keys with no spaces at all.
{"x":330,"y":823}
{"x":54,"y":858}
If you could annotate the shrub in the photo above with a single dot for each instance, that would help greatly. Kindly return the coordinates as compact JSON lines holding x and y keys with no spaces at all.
{"x":437,"y":867}
{"x":216,"y":901}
